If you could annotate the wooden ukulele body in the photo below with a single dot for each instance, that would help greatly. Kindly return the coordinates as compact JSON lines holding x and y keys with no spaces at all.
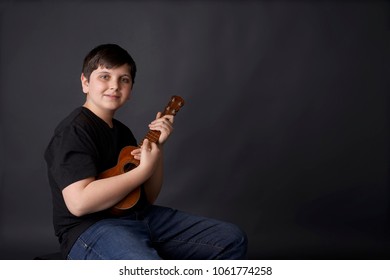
{"x":126,"y":162}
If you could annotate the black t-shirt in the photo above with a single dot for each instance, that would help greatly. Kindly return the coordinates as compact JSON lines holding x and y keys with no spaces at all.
{"x":83,"y":146}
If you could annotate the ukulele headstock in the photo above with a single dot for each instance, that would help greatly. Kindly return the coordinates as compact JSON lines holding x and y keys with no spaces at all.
{"x":174,"y":105}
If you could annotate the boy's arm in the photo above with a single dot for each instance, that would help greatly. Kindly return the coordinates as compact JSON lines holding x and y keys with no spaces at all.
{"x":153,"y":185}
{"x":90,"y":195}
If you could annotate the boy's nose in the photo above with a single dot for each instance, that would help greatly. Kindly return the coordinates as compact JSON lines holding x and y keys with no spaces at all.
{"x":114,"y":84}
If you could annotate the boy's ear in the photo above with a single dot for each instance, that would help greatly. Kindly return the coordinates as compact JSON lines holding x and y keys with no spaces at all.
{"x":84,"y":83}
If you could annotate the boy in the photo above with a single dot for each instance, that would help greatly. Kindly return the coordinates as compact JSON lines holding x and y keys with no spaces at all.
{"x":88,"y":142}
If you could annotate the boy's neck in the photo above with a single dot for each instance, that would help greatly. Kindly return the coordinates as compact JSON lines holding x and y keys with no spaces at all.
{"x":106,"y":116}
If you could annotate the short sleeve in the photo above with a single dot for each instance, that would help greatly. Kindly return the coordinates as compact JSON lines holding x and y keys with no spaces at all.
{"x":71,"y":156}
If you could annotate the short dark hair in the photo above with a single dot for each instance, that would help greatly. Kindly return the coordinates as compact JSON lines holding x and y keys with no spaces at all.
{"x":108,"y":56}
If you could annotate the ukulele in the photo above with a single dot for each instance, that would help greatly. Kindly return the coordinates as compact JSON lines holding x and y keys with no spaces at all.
{"x":127,"y":162}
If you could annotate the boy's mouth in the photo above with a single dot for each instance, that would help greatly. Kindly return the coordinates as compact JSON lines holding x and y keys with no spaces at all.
{"x":112,"y":96}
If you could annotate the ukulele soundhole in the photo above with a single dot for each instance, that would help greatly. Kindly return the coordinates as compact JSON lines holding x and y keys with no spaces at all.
{"x":128,"y":166}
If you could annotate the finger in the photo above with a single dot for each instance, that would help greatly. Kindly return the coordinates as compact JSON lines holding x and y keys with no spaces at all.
{"x":136,"y":151}
{"x":166,"y":120}
{"x":153,"y":147}
{"x":169,"y":118}
{"x":161,"y":126}
{"x":137,"y":156}
{"x":146,"y":145}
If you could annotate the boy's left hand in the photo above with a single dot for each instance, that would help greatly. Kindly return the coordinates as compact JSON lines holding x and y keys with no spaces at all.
{"x":164,"y":125}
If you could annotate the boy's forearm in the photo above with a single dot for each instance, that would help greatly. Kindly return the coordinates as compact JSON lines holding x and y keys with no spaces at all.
{"x":153,"y":185}
{"x":98,"y":195}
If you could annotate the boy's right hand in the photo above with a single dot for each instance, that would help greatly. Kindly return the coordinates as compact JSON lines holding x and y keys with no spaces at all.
{"x":149,"y":155}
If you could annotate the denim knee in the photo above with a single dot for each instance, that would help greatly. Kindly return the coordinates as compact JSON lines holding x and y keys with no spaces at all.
{"x":237,"y":244}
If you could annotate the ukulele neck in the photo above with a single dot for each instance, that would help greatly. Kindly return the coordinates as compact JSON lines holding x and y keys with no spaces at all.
{"x":172,"y":108}
{"x":152,"y":136}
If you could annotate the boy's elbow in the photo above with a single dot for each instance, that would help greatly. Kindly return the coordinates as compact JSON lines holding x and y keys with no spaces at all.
{"x":75,"y":199}
{"x":76,"y":206}
{"x":77,"y":213}
{"x":76,"y":210}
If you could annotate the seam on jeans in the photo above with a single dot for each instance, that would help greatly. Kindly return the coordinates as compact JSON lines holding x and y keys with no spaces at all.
{"x":214,"y":247}
{"x":90,"y":248}
{"x":219,"y":249}
{"x":148,"y":227}
{"x":191,"y":242}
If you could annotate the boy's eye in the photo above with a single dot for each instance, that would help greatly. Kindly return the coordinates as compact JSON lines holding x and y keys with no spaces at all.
{"x":125,"y":80}
{"x":104,"y":77}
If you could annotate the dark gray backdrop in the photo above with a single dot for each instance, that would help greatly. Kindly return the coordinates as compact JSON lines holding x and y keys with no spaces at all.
{"x":284,"y":132}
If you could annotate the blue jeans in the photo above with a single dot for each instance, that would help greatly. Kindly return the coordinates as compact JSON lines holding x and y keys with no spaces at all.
{"x":160,"y":233}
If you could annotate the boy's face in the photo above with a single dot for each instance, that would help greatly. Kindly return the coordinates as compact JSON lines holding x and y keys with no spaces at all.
{"x":107,"y":89}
